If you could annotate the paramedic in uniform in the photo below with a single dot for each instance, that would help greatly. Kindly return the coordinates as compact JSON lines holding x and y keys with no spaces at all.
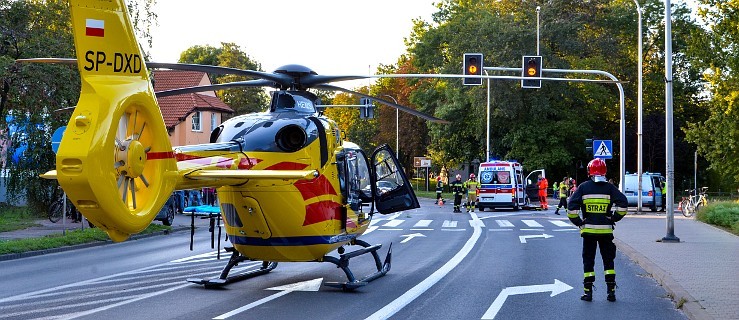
{"x":457,"y":190}
{"x":594,"y":199}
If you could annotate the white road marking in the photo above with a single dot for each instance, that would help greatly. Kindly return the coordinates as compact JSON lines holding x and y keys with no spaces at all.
{"x":422,"y":229}
{"x":390,"y":229}
{"x":500,"y":229}
{"x":393,"y":223}
{"x":453,"y":229}
{"x":311,"y":285}
{"x":556,"y":288}
{"x":504,"y":223}
{"x":423,"y":223}
{"x":532,"y":223}
{"x":523,"y":238}
{"x":561,"y":223}
{"x":449,"y":224}
{"x":410,"y":295}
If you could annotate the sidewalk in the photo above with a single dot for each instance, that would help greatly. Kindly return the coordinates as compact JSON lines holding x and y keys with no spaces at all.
{"x":701,"y":269}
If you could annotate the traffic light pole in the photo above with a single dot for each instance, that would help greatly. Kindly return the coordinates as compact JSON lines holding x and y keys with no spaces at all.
{"x":622,"y":131}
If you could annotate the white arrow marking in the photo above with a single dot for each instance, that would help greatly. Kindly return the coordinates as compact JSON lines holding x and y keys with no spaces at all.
{"x":310,"y":285}
{"x":411,"y":236}
{"x":556,"y":288}
{"x":545,"y":236}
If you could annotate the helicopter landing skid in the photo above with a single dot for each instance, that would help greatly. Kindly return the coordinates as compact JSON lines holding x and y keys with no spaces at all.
{"x":343,"y":263}
{"x":224,"y":278}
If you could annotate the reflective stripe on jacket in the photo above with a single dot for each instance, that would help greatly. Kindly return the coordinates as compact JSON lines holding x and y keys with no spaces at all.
{"x":595,"y":200}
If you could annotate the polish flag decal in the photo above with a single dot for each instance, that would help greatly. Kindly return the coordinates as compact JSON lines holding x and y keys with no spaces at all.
{"x":95,"y":28}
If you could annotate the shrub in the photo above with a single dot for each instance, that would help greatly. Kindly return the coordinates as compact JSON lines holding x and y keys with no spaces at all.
{"x":723,"y":214}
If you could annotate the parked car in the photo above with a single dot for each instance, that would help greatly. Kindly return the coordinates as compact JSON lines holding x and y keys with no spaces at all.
{"x":167,"y":213}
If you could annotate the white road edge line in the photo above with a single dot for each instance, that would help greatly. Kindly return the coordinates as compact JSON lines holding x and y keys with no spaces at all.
{"x":410,"y":295}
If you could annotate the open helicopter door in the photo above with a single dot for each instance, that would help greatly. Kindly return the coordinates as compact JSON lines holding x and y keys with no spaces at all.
{"x":392,"y":191}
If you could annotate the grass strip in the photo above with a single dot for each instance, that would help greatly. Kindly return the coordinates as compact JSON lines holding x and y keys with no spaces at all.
{"x":72,"y":237}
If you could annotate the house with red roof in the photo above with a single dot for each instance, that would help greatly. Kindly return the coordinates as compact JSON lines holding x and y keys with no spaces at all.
{"x":189,"y":117}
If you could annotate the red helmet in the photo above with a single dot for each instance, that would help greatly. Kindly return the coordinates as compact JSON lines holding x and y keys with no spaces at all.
{"x":438,"y":178}
{"x":472,"y":175}
{"x":597,"y":167}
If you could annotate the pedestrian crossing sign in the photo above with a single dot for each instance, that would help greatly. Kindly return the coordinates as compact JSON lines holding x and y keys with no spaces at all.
{"x":602,"y":149}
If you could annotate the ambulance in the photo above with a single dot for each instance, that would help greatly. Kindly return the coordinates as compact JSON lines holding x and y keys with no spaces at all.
{"x":502,"y":186}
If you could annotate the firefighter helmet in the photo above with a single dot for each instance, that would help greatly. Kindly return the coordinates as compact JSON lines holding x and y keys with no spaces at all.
{"x":597,"y":167}
{"x":472,"y":175}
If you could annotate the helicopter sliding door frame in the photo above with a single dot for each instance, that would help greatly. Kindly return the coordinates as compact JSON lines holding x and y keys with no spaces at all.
{"x":391,"y":190}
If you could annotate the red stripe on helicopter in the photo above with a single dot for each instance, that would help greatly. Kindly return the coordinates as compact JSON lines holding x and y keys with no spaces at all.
{"x":159,"y":155}
{"x":322,"y":211}
{"x":248,"y":163}
{"x":313,"y":188}
{"x":287,"y":166}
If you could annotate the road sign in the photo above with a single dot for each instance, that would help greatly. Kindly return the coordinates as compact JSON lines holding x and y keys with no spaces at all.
{"x":602,"y":149}
{"x":422,"y":162}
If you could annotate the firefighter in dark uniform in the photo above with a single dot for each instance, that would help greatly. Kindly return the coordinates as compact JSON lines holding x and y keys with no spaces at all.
{"x":457,"y":191}
{"x":439,"y":190}
{"x":594,"y":199}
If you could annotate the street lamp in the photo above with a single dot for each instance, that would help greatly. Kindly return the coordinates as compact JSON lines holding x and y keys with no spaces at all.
{"x":639,"y":133}
{"x":397,"y":152}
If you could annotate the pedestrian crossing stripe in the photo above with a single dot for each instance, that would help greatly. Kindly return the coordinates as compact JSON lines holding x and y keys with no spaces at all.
{"x":426,"y":224}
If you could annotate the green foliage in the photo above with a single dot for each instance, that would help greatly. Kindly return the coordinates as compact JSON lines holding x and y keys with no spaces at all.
{"x":717,"y":137}
{"x":723,"y":214}
{"x":544,"y":128}
{"x":242,"y":100}
{"x":73,"y":237}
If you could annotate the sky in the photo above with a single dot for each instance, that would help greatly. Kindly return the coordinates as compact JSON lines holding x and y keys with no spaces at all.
{"x":328,"y":36}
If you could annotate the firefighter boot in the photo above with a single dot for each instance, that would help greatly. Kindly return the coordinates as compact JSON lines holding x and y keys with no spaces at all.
{"x":588,"y":291}
{"x":611,"y":288}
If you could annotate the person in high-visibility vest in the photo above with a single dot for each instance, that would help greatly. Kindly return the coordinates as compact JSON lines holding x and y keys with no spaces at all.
{"x":472,"y":186}
{"x":594,"y":199}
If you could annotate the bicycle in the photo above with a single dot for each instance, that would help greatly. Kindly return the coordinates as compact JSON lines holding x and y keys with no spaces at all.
{"x":689,"y":205}
{"x":57,"y":207}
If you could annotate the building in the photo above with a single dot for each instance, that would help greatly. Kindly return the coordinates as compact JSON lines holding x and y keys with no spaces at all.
{"x":189,"y":117}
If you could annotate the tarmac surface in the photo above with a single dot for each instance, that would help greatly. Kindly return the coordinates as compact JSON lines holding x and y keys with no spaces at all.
{"x":699,"y":272}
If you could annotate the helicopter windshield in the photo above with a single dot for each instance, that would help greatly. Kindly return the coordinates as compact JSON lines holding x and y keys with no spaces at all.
{"x":283,"y":101}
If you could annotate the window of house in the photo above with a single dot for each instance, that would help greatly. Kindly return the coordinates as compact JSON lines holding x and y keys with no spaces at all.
{"x":213,"y":121}
{"x":197,"y":122}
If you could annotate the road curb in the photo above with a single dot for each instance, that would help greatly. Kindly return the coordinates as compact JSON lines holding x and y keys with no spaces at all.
{"x":13,"y":256}
{"x":692,"y":308}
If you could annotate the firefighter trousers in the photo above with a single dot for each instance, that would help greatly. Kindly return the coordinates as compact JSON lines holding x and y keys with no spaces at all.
{"x":607,"y":252}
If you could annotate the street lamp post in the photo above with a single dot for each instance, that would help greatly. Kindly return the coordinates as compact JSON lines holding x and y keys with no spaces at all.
{"x":397,"y":136}
{"x":639,"y":133}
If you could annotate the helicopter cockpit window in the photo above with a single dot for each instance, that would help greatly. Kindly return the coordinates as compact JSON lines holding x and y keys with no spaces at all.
{"x":287,"y":101}
{"x":357,"y":177}
{"x":388,"y":178}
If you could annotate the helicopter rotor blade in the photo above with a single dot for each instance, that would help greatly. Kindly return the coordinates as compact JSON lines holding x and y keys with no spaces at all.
{"x":213,"y":87}
{"x":274,"y":77}
{"x":385,"y":102}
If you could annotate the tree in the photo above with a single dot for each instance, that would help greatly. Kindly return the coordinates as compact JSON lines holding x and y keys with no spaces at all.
{"x":242,"y":100}
{"x":31,"y":94}
{"x":714,"y":49}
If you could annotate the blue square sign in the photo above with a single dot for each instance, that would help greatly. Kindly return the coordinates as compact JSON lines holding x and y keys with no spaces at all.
{"x":602,"y":149}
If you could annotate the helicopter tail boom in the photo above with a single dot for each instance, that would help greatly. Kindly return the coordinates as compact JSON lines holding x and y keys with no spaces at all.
{"x":115,"y":160}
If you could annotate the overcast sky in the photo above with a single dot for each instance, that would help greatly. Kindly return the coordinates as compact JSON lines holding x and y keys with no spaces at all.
{"x":328,"y":36}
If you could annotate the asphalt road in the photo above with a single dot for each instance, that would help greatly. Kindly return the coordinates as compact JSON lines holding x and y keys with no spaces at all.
{"x":501,"y":265}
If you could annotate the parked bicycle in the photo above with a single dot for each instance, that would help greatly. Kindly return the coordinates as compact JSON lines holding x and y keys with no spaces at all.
{"x":57,"y":208}
{"x":690,"y":204}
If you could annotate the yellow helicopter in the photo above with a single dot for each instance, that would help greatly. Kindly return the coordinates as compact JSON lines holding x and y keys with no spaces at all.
{"x":290,"y":188}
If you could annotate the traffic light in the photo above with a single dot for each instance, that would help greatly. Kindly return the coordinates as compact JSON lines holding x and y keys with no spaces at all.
{"x":472,"y":66}
{"x":589,"y":145}
{"x":531,"y":68}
